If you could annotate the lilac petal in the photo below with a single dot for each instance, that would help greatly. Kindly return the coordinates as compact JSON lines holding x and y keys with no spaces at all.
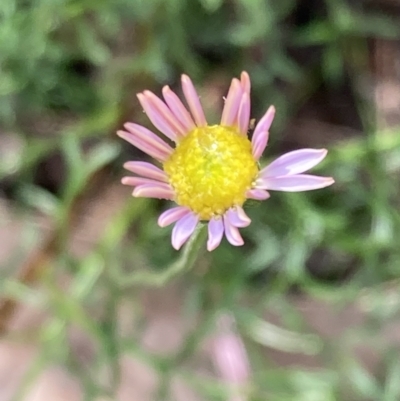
{"x":215,"y":233}
{"x":166,"y":113}
{"x":245,"y":82}
{"x":145,"y":169}
{"x":148,"y":137}
{"x":148,"y":145}
{"x":193,"y":101}
{"x":259,"y":144}
{"x":260,"y":136}
{"x":244,"y":113}
{"x":229,"y":354}
{"x":136,"y":181}
{"x":183,"y":229}
{"x":295,"y":162}
{"x":231,"y":107}
{"x":156,"y":117}
{"x":294,"y":183}
{"x":232,"y":233}
{"x":172,"y":215}
{"x":237,"y":217}
{"x":178,"y":109}
{"x":159,"y":191}
{"x":257,"y":194}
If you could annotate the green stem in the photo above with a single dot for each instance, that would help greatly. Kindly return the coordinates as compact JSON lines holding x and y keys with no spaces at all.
{"x":184,"y":263}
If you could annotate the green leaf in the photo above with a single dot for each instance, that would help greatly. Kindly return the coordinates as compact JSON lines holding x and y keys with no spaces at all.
{"x":101,"y":155}
{"x":211,"y":5}
{"x":392,"y":384}
{"x":362,"y":381}
{"x":270,"y":335}
{"x":315,"y":33}
{"x":40,"y":199}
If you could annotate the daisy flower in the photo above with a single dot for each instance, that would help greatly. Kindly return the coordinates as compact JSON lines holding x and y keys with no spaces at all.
{"x":210,"y":171}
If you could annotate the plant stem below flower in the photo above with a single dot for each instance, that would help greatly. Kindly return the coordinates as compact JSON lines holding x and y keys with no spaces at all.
{"x":184,"y":263}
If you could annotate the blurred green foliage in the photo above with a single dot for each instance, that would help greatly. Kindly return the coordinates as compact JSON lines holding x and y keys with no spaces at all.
{"x":68,"y":73}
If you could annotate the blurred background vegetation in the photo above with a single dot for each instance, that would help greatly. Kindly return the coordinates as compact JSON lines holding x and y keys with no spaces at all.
{"x":314,"y":291}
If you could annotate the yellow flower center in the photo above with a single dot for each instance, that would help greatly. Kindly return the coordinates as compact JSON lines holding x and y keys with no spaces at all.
{"x":211,"y":169}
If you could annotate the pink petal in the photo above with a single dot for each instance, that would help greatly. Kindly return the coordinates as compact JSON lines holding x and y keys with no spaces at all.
{"x":156,"y":117}
{"x":260,"y":136}
{"x":294,"y":183}
{"x":259,"y":144}
{"x":245,"y":82}
{"x":145,"y":135}
{"x":178,"y":109}
{"x":136,"y":181}
{"x":257,"y":194}
{"x":244,"y":113}
{"x":295,"y":162}
{"x":229,"y":354}
{"x":164,"y":111}
{"x":183,"y":229}
{"x":148,"y":145}
{"x":159,"y":191}
{"x":193,"y":101}
{"x":215,"y":233}
{"x":237,"y":217}
{"x":232,"y":233}
{"x":172,"y":215}
{"x":145,"y":169}
{"x":231,"y":107}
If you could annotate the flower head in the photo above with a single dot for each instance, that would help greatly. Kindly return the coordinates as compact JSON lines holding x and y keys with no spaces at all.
{"x":211,"y":170}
